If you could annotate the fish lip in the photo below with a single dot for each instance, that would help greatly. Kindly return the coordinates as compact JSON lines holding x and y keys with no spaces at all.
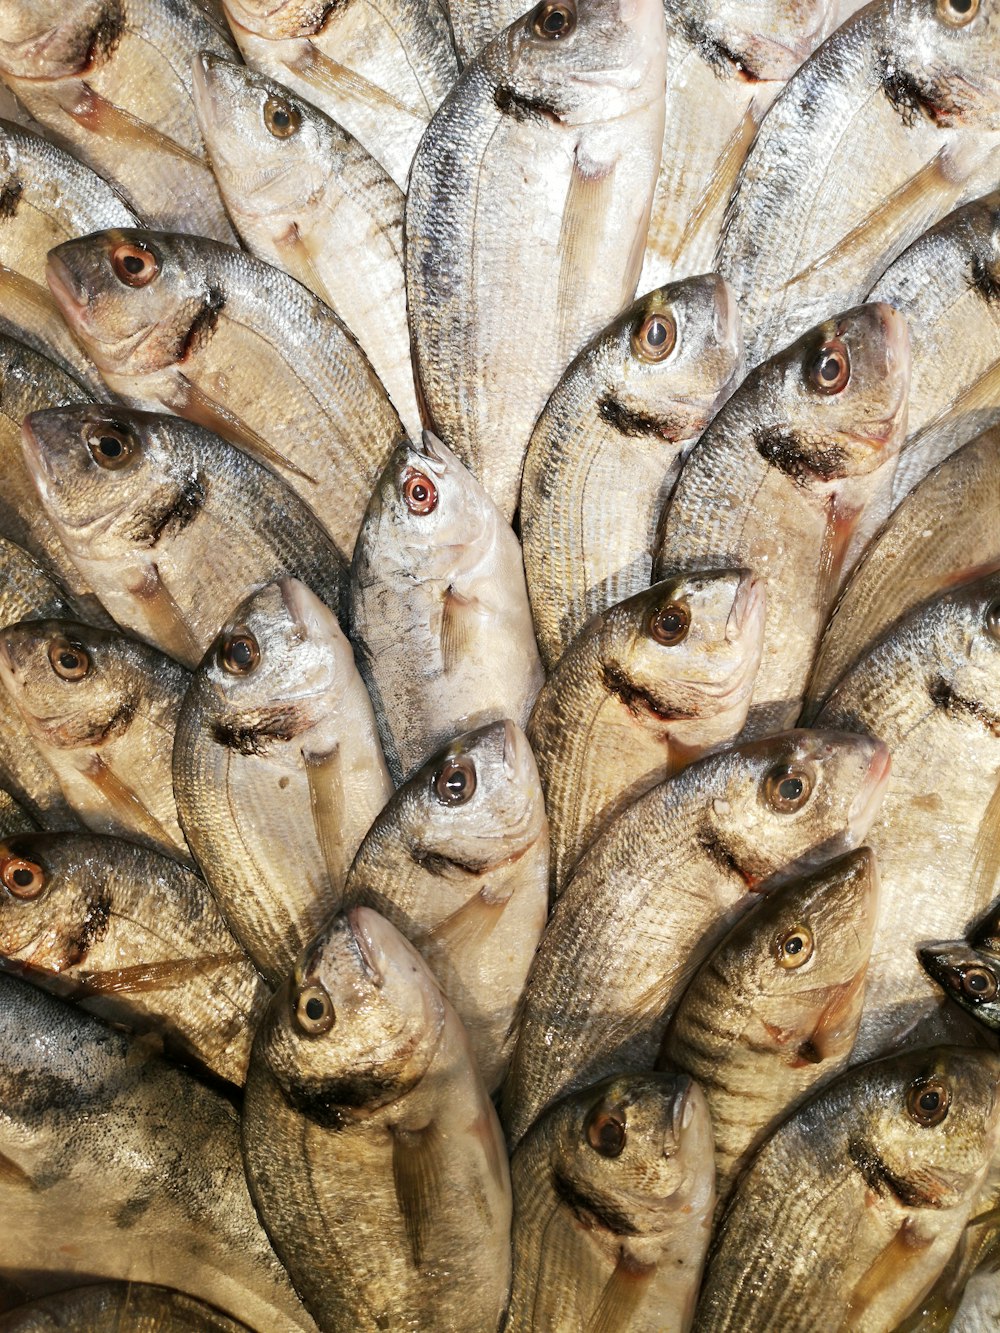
{"x":203,"y":79}
{"x":728,"y":322}
{"x":511,"y":749}
{"x":682,"y":1114}
{"x":749,"y":602}
{"x":356,"y":921}
{"x":896,"y":333}
{"x":36,"y":458}
{"x":67,"y":291}
{"x":866,"y":804}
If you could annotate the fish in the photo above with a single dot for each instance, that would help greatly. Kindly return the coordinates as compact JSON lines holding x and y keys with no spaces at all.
{"x":47,"y":196}
{"x":12,"y":818}
{"x":947,"y":286}
{"x":886,"y":1164}
{"x":458,"y":862}
{"x":136,"y":939}
{"x":379,"y":72}
{"x":887,"y":127}
{"x":930,"y":689}
{"x":790,"y":480}
{"x":771,"y":1015}
{"x":119,"y":1166}
{"x":174,"y":526}
{"x":110,"y":81}
{"x":526,"y":215}
{"x":607,"y":448}
{"x":945,"y":532}
{"x":278,"y":772}
{"x":613,"y":1194}
{"x":186,"y":325}
{"x":373,"y":1151}
{"x":662,"y":885}
{"x":968,"y":970}
{"x":646,"y":688}
{"x":101,"y":710}
{"x":125,"y":1307}
{"x":439,"y":607}
{"x":305,"y":196}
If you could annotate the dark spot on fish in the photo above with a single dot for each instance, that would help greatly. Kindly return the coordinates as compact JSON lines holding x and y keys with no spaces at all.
{"x":81,"y":729}
{"x":808,"y":1053}
{"x":310,"y":27}
{"x":202,"y":324}
{"x":948,"y":700}
{"x":629,"y":423}
{"x":328,"y":1104}
{"x":255,"y":733}
{"x":592,"y":1208}
{"x":92,"y":930}
{"x":104,"y":37}
{"x":131,"y":1212}
{"x":912,"y":96}
{"x":984,"y":280}
{"x":512,"y":103}
{"x":713,"y":845}
{"x":785,"y":453}
{"x":715,"y":52}
{"x":883,"y":1181}
{"x":637,"y":700}
{"x":10,"y":197}
{"x":437,"y":864}
{"x":167,"y":512}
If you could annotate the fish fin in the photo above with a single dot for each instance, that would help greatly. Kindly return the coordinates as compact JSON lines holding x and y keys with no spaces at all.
{"x":95,"y":113}
{"x":12,"y":1174}
{"x":589,"y":202}
{"x":622,"y":1295}
{"x":841,"y":522}
{"x":20,"y":293}
{"x":163,"y":613}
{"x":197,"y":406}
{"x":905,"y":1250}
{"x":125,"y":804}
{"x":981,"y":395}
{"x":417,"y":1171}
{"x":986,"y":855}
{"x":152,"y":976}
{"x":459,"y":627}
{"x":465,"y":930}
{"x":326,"y":799}
{"x":297,"y":259}
{"x":329,"y":76}
{"x":565,"y":1287}
{"x":722,"y":182}
{"x":836,"y":1024}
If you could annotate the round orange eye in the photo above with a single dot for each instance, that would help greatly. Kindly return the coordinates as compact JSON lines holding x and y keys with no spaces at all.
{"x":111,"y":446}
{"x":134,"y":265}
{"x":669,"y":624}
{"x":314,"y":1011}
{"x":281,"y":118}
{"x":239,"y":653}
{"x":607,"y":1131}
{"x":957,"y":13}
{"x":928,"y":1100}
{"x":420,"y":493}
{"x":68,"y":660}
{"x":554,"y":19}
{"x":794,"y":947}
{"x":22,"y":878}
{"x":979,"y":984}
{"x":831,"y":370}
{"x":655,"y":337}
{"x":787,"y":788}
{"x":455,"y":783}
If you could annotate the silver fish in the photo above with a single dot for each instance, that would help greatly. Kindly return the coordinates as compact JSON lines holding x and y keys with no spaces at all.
{"x":126,"y":1307}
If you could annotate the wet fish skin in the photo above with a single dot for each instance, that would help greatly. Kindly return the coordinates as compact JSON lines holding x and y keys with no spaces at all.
{"x":525,"y":219}
{"x":232,"y":343}
{"x":881,"y":1196}
{"x":176,"y":527}
{"x":305,"y":196}
{"x":278,"y":772}
{"x":458,"y":861}
{"x":654,"y":894}
{"x":649,"y":686}
{"x":613,"y":1195}
{"x":790,"y":481}
{"x":12,"y":818}
{"x":437,"y":586}
{"x":772,"y":1014}
{"x":405,"y":1221}
{"x":128,"y":1307}
{"x":118,"y":1165}
{"x":101,"y":710}
{"x":929,"y":690}
{"x":607,"y":448}
{"x":132,"y":937}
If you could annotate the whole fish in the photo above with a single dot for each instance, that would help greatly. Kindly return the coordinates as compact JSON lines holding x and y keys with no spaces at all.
{"x":526,"y":216}
{"x":125,"y":1307}
{"x":947,"y":284}
{"x":132,"y":937}
{"x":458,"y":861}
{"x":790,"y":481}
{"x":102,"y":711}
{"x":374,"y":1153}
{"x":47,"y":196}
{"x":968,"y":970}
{"x":305,"y":196}
{"x":278,"y":772}
{"x":606,"y":450}
{"x":379,"y":72}
{"x":930,"y":689}
{"x":118,"y":1166}
{"x":439,"y":607}
{"x":649,"y":686}
{"x":876,"y":138}
{"x":172,"y":525}
{"x":653,"y":895}
{"x":111,"y":81}
{"x":183,"y":324}
{"x":12,"y":818}
{"x":774,"y":1010}
{"x":944,"y":533}
{"x":886,"y":1165}
{"x":613,"y":1195}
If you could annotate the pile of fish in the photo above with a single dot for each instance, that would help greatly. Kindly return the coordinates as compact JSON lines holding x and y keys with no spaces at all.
{"x":500,"y":812}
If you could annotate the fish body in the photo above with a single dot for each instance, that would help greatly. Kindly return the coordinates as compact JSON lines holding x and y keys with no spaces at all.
{"x":127,"y":1307}
{"x":12,"y":818}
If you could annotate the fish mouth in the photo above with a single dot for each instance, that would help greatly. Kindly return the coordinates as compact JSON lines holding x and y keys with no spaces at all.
{"x":204,"y":81}
{"x":895,"y":332}
{"x":68,"y":292}
{"x":683,"y":1113}
{"x":727,"y":320}
{"x":748,"y":605}
{"x":869,"y":799}
{"x":358,"y":919}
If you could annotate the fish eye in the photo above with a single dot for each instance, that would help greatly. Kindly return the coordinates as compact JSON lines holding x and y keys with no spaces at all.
{"x":992,"y":620}
{"x":927,"y":1101}
{"x":111,"y":446}
{"x":794,"y":947}
{"x":239,"y":653}
{"x":831,"y":370}
{"x":419,"y":493}
{"x":134,"y":264}
{"x":979,"y":984}
{"x":669,"y":624}
{"x":21,"y":877}
{"x":655,"y":337}
{"x":314,"y":1011}
{"x":788,"y":787}
{"x":607,"y":1131}
{"x":68,"y":660}
{"x":957,"y":13}
{"x":554,"y":19}
{"x":281,"y":118}
{"x":455,"y":782}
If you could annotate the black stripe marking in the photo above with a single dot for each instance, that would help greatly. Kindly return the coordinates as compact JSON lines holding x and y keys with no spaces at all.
{"x":626,"y":422}
{"x":512,"y":103}
{"x":167,"y":512}
{"x":883,"y":1181}
{"x":984,"y":280}
{"x":637,"y":700}
{"x":785,"y":453}
{"x":203,"y":324}
{"x":591,"y":1209}
{"x":949,"y":701}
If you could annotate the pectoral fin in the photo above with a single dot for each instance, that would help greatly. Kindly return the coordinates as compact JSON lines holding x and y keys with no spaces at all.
{"x":326,"y":798}
{"x":169,"y":627}
{"x":197,"y":406}
{"x":95,"y":113}
{"x":720,"y":185}
{"x":841,"y":522}
{"x":904,"y":1250}
{"x":460,"y":625}
{"x":124,"y":804}
{"x":297,"y":259}
{"x":338,"y":81}
{"x":13,"y":1175}
{"x":986,"y":856}
{"x":417,"y":1173}
{"x":587,"y":215}
{"x":153,"y":976}
{"x":622,"y":1295}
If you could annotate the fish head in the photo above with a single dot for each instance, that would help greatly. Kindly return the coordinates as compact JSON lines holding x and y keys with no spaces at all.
{"x":136,"y":300}
{"x":474,"y":807}
{"x":75,"y":686}
{"x":271,"y":153}
{"x":54,"y":902}
{"x":927,"y":1126}
{"x":357,"y":1023}
{"x":840,"y":397}
{"x":672,"y":358}
{"x":969,"y":976}
{"x":276,"y":20}
{"x":752,"y":41}
{"x":941,"y":62}
{"x":795,"y":800}
{"x":53,"y":39}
